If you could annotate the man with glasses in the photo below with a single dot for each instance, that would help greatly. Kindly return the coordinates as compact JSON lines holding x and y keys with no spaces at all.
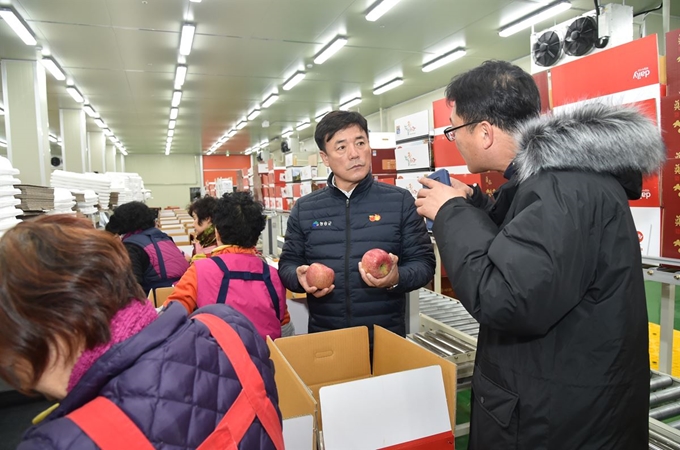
{"x":550,"y":267}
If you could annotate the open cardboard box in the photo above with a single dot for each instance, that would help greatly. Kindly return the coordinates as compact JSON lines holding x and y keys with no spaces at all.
{"x":341,"y":356}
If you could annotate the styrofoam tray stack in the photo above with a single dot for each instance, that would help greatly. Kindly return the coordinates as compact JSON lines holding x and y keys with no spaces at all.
{"x":86,"y":201}
{"x":97,"y":182}
{"x":64,"y":202}
{"x":8,"y":201}
{"x":129,"y":186}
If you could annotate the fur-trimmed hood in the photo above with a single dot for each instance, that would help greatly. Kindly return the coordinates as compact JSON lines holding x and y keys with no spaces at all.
{"x":593,"y":137}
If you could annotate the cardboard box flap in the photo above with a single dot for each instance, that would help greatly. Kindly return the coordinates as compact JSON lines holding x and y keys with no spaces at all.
{"x":392,"y":353}
{"x":330,"y":357}
{"x":295,"y":399}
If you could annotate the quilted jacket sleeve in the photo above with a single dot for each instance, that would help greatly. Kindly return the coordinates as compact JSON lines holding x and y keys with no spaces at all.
{"x":417,"y":261}
{"x":293,"y":253}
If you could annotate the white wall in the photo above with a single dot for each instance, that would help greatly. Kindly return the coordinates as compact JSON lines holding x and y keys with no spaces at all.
{"x":168,"y":177}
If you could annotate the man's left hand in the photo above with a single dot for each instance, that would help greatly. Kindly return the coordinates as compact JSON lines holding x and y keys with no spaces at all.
{"x":389,"y":280}
{"x":430,"y":200}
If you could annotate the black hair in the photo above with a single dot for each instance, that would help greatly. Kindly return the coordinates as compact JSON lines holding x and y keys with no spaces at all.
{"x":239,"y":219}
{"x":336,"y":121}
{"x":203,"y":207}
{"x":131,"y":217}
{"x":496,"y":91}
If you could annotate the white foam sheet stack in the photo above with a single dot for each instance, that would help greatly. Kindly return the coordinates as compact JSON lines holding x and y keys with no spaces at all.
{"x":89,"y":203}
{"x":97,"y":182}
{"x":8,"y":210}
{"x":64,"y":201}
{"x":129,"y":186}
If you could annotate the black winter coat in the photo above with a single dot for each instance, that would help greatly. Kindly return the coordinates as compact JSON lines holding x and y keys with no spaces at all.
{"x":552,"y":272}
{"x":329,"y":228}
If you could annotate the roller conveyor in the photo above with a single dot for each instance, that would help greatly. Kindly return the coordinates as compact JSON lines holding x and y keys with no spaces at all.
{"x":664,"y":404}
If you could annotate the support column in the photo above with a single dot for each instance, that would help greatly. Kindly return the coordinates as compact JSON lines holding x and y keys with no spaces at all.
{"x":120,"y":162}
{"x":97,"y":144}
{"x":110,"y":162}
{"x":24,"y":90}
{"x":74,"y":137}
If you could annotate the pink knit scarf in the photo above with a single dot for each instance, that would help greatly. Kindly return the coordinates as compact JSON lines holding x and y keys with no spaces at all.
{"x":125,"y":323}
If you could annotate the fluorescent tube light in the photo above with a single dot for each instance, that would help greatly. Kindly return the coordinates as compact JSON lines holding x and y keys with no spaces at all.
{"x":52,"y":138}
{"x":2,"y":110}
{"x":302,"y":125}
{"x":187,"y":39}
{"x":336,"y":44}
{"x":100,"y":123}
{"x":173,"y":113}
{"x":180,"y":75}
{"x":195,"y":1}
{"x":241,"y":125}
{"x":108,"y":132}
{"x":169,"y":140}
{"x":444,"y":59}
{"x":379,"y":8}
{"x":539,"y":15}
{"x":75,"y":93}
{"x":295,"y":79}
{"x":171,"y":133}
{"x":123,"y":151}
{"x":232,"y":132}
{"x":248,"y":151}
{"x":176,"y":98}
{"x":3,"y":143}
{"x":89,"y":110}
{"x":349,"y":103}
{"x":171,"y":124}
{"x":253,"y":114}
{"x":51,"y":65}
{"x":113,"y":139}
{"x":264,"y":143}
{"x":287,"y":133}
{"x":269,"y":101}
{"x":18,"y":25}
{"x":322,"y":114}
{"x":388,"y":86}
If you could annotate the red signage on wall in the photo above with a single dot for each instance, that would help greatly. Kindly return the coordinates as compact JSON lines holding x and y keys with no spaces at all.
{"x":673,"y":61}
{"x":441,"y":113}
{"x":541,"y":80}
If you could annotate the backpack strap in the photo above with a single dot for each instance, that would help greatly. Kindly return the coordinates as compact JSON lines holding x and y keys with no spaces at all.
{"x":108,"y":426}
{"x":159,"y":254}
{"x":265,"y":276}
{"x":252,"y":401}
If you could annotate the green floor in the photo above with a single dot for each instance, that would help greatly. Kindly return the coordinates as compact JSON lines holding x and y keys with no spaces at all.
{"x":653,"y":291}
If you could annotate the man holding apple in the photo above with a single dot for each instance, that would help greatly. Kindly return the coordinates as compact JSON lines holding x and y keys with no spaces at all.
{"x":346,"y":221}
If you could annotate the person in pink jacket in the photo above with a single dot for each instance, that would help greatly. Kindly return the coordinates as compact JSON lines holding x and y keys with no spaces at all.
{"x":235,"y":273}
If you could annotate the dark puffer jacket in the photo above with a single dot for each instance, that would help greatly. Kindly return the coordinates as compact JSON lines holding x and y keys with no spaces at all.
{"x":553,"y":274}
{"x":171,"y":379}
{"x":327,"y":227}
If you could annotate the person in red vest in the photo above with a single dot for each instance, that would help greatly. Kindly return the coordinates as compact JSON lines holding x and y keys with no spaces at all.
{"x":76,"y":327}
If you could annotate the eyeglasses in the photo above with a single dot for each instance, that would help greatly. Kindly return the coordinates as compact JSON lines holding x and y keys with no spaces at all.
{"x":450,"y":132}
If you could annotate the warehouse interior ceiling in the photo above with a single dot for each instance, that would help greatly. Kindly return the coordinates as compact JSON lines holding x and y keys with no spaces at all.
{"x":122,"y":55}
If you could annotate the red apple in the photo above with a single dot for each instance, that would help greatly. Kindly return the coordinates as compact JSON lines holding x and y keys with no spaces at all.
{"x":320,"y":276}
{"x":377,"y":262}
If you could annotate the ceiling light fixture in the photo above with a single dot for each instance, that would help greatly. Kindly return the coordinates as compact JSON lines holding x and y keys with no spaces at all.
{"x":349,"y":103}
{"x":173,"y":113}
{"x":52,"y":138}
{"x":180,"y":75}
{"x":122,"y":150}
{"x":303,"y":125}
{"x":242,"y":124}
{"x":17,"y":24}
{"x":322,"y":114}
{"x":444,"y":59}
{"x":3,"y":143}
{"x":2,"y":111}
{"x":75,"y":93}
{"x":539,"y":15}
{"x":171,"y":133}
{"x":171,"y":124}
{"x":248,"y":151}
{"x":264,"y":143}
{"x":100,"y":123}
{"x":51,"y":65}
{"x":269,"y":101}
{"x":253,"y":114}
{"x":89,"y":110}
{"x":379,"y":8}
{"x":108,"y":132}
{"x":336,"y":44}
{"x":388,"y":86}
{"x":295,"y":79}
{"x":232,"y":132}
{"x":176,"y":99}
{"x":195,"y":1}
{"x":169,"y":140}
{"x":287,"y":133}
{"x":187,"y":39}
{"x":113,"y":139}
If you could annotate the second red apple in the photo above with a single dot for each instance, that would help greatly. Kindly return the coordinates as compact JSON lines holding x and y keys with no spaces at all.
{"x":377,"y":262}
{"x":320,"y":276}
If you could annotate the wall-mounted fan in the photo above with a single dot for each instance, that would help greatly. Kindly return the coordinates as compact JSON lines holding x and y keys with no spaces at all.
{"x":581,"y":36}
{"x":547,"y":49}
{"x":284,"y":147}
{"x":55,"y":161}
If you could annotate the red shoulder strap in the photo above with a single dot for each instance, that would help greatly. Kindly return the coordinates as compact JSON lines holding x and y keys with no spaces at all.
{"x":116,"y":431}
{"x":252,"y":401}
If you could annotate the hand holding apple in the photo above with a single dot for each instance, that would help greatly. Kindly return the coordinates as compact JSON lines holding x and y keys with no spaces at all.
{"x":316,"y":291}
{"x":379,"y":268}
{"x":320,"y":276}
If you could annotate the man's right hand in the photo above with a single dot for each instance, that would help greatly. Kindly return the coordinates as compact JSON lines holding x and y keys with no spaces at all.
{"x":302,"y":279}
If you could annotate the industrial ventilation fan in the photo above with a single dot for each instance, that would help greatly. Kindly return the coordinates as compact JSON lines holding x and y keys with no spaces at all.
{"x":581,"y":36}
{"x":547,"y":49}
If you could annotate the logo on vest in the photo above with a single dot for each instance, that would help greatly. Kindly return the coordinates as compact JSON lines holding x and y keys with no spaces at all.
{"x":374,"y":217}
{"x":325,"y":223}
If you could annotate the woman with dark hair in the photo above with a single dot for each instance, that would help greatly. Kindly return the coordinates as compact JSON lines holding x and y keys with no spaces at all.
{"x":74,"y":326}
{"x":236,"y":274}
{"x":156,"y":260}
{"x":202,"y":210}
